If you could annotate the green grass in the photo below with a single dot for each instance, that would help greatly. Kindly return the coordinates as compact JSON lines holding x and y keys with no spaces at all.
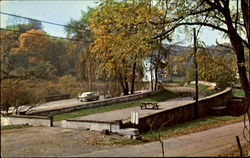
{"x":196,"y":123}
{"x":181,"y":129}
{"x":179,"y":79}
{"x":166,"y":94}
{"x":14,"y":127}
{"x":238,"y":92}
{"x":203,"y":88}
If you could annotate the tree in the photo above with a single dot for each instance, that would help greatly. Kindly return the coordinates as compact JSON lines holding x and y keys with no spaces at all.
{"x":79,"y":29}
{"x":159,"y":60}
{"x":23,"y":25}
{"x":215,"y":65}
{"x":217,"y":68}
{"x":18,"y":74}
{"x":67,"y":82}
{"x":21,"y":95}
{"x":228,"y":16}
{"x":61,"y":57}
{"x":36,"y":44}
{"x":122,"y":37}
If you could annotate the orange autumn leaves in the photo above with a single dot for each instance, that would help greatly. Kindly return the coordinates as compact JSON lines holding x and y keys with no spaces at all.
{"x":35,"y":43}
{"x":122,"y":35}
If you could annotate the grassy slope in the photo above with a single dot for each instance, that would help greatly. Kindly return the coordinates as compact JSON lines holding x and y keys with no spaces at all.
{"x":203,"y":88}
{"x":182,"y":129}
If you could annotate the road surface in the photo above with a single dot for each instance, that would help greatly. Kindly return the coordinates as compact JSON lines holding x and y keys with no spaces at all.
{"x":206,"y":143}
{"x":124,"y":114}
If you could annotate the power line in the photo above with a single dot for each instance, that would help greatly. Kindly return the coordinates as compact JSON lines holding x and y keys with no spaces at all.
{"x":40,"y":34}
{"x":52,"y":23}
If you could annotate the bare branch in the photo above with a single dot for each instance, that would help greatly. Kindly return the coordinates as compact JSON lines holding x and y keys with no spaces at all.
{"x":189,"y":23}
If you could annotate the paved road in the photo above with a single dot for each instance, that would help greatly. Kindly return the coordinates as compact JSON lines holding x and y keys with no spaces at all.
{"x":63,"y":103}
{"x":70,"y":102}
{"x":124,"y":114}
{"x":206,"y":143}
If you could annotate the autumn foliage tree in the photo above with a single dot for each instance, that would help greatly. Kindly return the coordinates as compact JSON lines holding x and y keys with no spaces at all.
{"x":17,"y":75}
{"x":36,"y":44}
{"x":230,"y":17}
{"x":122,"y":35}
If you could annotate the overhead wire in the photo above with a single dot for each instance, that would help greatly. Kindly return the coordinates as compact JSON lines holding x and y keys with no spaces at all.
{"x":42,"y":21}
{"x":40,"y":34}
{"x":52,"y":23}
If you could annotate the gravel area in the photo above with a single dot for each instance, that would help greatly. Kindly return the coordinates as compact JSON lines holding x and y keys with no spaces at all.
{"x":52,"y":142}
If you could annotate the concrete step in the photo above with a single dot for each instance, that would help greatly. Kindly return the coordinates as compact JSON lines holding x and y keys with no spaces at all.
{"x":129,"y":131}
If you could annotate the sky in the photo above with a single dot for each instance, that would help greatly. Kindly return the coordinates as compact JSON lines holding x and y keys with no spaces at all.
{"x":61,"y":11}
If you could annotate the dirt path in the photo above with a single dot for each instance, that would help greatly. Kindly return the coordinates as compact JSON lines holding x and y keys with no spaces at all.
{"x":51,"y":142}
{"x":60,"y":142}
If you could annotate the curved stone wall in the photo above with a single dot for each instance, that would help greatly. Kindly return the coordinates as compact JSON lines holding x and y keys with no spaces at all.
{"x":183,"y":113}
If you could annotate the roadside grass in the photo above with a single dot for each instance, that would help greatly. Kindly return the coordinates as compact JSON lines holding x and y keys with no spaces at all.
{"x":165,"y":95}
{"x":182,"y":129}
{"x":14,"y":127}
{"x":203,"y":88}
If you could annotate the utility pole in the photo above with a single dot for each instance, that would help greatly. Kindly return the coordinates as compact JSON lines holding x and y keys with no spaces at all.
{"x":196,"y":77}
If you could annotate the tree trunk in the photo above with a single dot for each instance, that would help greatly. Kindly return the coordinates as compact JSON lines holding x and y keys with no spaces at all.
{"x":239,"y":51}
{"x":156,"y":76}
{"x":241,"y":63}
{"x":124,"y":85}
{"x":151,"y":77}
{"x":133,"y":79}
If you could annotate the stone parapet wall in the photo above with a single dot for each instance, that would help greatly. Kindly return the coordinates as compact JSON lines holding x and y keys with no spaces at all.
{"x":112,"y":126}
{"x":57,"y":97}
{"x":182,"y":113}
{"x":24,"y":120}
{"x":100,"y":103}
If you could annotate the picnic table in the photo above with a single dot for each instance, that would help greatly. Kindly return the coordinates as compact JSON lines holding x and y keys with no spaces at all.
{"x":152,"y":104}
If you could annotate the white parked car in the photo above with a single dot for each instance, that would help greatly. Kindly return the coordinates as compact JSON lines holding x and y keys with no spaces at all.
{"x":88,"y":96}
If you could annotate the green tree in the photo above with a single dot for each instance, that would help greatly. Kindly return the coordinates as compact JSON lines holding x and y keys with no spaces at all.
{"x":215,"y":65}
{"x":227,"y":16}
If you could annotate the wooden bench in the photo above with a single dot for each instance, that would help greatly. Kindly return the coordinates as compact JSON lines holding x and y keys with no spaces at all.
{"x":152,"y":104}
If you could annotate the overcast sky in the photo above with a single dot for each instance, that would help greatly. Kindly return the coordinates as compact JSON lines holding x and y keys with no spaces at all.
{"x":60,"y":11}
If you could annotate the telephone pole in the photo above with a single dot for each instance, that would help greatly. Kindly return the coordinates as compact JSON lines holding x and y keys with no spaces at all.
{"x":196,"y":77}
